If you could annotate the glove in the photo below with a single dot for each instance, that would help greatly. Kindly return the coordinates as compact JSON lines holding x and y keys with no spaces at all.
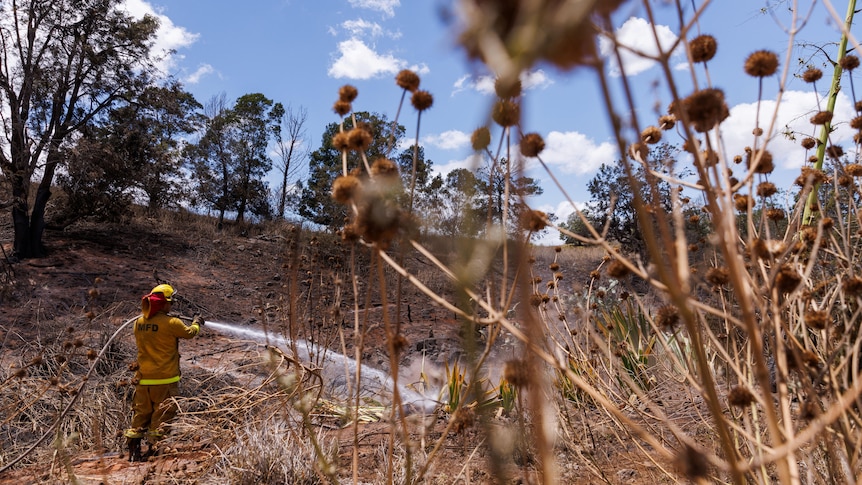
{"x":198,"y":320}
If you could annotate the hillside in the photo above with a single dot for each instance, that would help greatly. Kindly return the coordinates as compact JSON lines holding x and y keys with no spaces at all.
{"x":273,"y":281}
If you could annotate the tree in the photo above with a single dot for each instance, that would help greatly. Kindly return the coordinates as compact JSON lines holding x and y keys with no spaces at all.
{"x":612,"y":200}
{"x":492,"y":179}
{"x":290,"y":149}
{"x":136,"y":147}
{"x":255,"y":120}
{"x":325,"y":164}
{"x":231,"y":160}
{"x":453,"y":204}
{"x":64,"y":62}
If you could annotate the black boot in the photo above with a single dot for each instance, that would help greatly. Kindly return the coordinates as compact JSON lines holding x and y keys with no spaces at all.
{"x":135,"y":449}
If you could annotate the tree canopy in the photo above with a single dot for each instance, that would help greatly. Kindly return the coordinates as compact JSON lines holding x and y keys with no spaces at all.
{"x":64,"y":62}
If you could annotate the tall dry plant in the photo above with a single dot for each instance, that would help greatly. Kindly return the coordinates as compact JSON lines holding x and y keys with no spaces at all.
{"x":756,"y":328}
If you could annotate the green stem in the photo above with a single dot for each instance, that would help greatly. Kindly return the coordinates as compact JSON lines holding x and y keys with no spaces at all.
{"x":808,"y":215}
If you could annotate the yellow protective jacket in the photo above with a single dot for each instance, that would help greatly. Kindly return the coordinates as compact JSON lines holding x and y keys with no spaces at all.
{"x":158,"y":348}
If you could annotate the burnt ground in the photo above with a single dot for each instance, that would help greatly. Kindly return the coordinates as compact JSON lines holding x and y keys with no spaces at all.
{"x":280,"y":281}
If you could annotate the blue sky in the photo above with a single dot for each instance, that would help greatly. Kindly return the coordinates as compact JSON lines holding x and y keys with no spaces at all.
{"x":299,"y":52}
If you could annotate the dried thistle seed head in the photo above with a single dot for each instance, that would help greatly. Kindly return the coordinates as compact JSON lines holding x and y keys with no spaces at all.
{"x":554,"y":267}
{"x":808,"y":143}
{"x":821,"y":118}
{"x":92,"y":354}
{"x":692,"y":463}
{"x":340,"y":141}
{"x":809,"y":410}
{"x":534,"y":221}
{"x":516,"y":373}
{"x":741,"y":202}
{"x":359,"y":138}
{"x":667,"y":317}
{"x":827,"y":223}
{"x":845,"y":180}
{"x":835,"y":152}
{"x":383,"y":167}
{"x":817,"y":319}
{"x":379,"y":218}
{"x":347,"y":93}
{"x":709,"y":157}
{"x":345,"y":188}
{"x":506,"y":113}
{"x":342,"y":108}
{"x":422,"y":100}
{"x":667,"y":122}
{"x":808,"y":234}
{"x":651,"y":135}
{"x":399,"y":343}
{"x":812,"y":74}
{"x":848,"y":63}
{"x":853,"y":169}
{"x":758,"y":249}
{"x":703,"y":48}
{"x":757,"y":131}
{"x":594,"y":274}
{"x":407,"y":79}
{"x":810,"y":359}
{"x":764,"y":161}
{"x":766,"y":189}
{"x":572,"y":45}
{"x":811,"y":175}
{"x":463,"y":419}
{"x":852,"y":286}
{"x":856,"y":123}
{"x":506,"y":88}
{"x":617,"y":269}
{"x":740,"y":397}
{"x":350,"y":233}
{"x":480,"y":139}
{"x":787,"y":279}
{"x":705,"y":109}
{"x":532,"y":145}
{"x":761,"y":63}
{"x":717,"y":276}
{"x":93,"y":293}
{"x":639,"y":151}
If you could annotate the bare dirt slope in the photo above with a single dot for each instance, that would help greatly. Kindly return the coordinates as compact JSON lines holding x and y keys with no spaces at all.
{"x":279,"y":282}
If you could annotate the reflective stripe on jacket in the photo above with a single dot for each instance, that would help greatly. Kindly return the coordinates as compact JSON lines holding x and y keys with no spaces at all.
{"x":157,"y":338}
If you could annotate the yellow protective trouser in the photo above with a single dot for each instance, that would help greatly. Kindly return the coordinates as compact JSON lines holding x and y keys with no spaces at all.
{"x":154,"y":409}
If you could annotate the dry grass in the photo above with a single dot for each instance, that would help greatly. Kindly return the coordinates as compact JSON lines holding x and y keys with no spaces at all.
{"x":623,"y":369}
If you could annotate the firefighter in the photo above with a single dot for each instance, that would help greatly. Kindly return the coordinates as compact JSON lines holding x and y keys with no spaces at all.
{"x":157,"y":377}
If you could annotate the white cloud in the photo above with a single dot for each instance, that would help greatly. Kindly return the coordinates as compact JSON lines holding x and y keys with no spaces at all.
{"x":531,"y":80}
{"x":448,"y":140}
{"x":359,"y":27}
{"x":387,"y":7}
{"x":469,"y":163}
{"x":200,"y":72}
{"x":793,"y":117}
{"x":358,"y":61}
{"x":636,"y":34}
{"x":573,"y":153}
{"x":169,"y":37}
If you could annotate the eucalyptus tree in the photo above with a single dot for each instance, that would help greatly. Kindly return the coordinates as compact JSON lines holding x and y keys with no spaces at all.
{"x":63,"y":63}
{"x":231,"y":159}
